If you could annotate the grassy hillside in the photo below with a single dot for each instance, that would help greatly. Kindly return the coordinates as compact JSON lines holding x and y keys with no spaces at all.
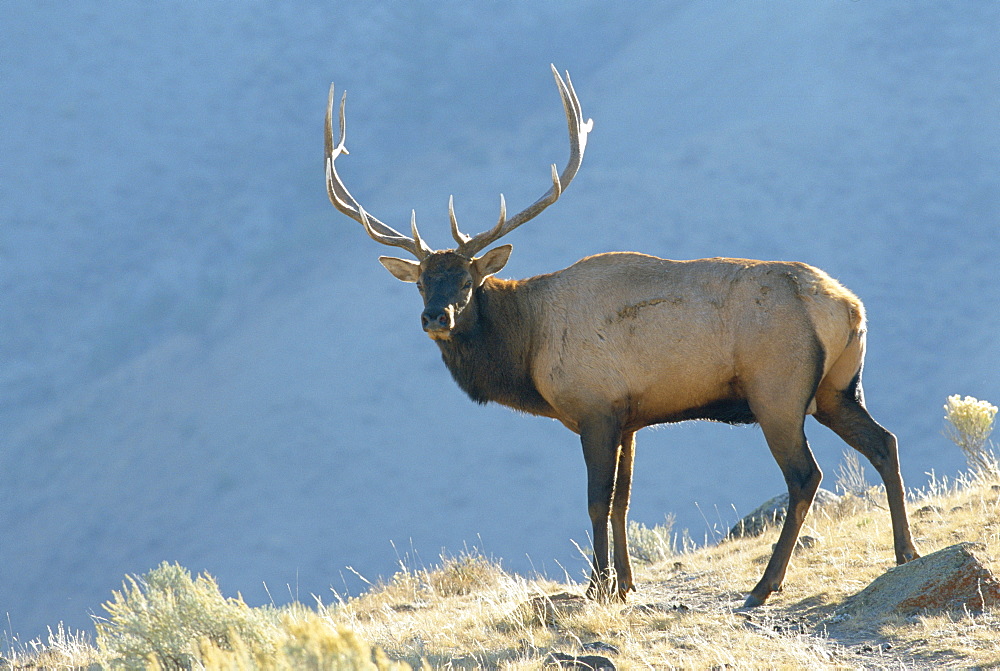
{"x":468,"y":612}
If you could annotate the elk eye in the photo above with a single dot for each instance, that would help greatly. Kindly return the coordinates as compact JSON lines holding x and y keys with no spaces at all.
{"x":468,"y":285}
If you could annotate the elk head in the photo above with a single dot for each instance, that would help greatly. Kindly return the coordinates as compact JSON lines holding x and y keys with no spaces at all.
{"x":448,"y":279}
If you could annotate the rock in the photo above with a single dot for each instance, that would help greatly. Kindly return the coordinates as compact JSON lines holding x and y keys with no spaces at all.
{"x":758,"y":629}
{"x":547,"y":608}
{"x":928,"y":511}
{"x":404,"y":608}
{"x":949,"y":579}
{"x":600,"y":646}
{"x":806,"y":542}
{"x":772,"y":513}
{"x":872,"y":648}
{"x":801,"y":543}
{"x":647,"y":609}
{"x":590,"y":662}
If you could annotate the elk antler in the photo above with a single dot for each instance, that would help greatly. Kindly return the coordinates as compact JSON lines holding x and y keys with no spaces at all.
{"x":578,"y":129}
{"x":344,"y":201}
{"x":467,"y":246}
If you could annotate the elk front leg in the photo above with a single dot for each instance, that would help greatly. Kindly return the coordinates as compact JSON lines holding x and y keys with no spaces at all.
{"x":600,"y":439}
{"x":619,"y":512}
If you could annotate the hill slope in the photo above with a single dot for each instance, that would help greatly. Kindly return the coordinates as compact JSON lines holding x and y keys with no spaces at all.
{"x":468,"y":612}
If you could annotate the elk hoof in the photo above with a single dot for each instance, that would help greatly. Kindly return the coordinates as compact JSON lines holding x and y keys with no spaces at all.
{"x":607,"y":593}
{"x":599,"y":592}
{"x":753,"y":601}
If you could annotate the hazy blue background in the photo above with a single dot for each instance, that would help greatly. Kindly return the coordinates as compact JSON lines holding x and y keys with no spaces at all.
{"x":201,"y":360}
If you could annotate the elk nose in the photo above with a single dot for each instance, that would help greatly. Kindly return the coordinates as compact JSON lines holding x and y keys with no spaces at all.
{"x":435,"y":320}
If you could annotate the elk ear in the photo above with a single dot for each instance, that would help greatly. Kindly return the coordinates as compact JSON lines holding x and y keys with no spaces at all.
{"x":402,"y":269}
{"x":492,"y":261}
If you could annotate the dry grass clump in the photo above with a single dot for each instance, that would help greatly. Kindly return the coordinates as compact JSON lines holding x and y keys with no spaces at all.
{"x":306,"y":640}
{"x":466,"y":612}
{"x":61,"y":649}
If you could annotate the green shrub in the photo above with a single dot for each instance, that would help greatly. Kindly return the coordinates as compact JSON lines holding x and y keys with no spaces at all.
{"x":652,"y":545}
{"x":164,"y":618}
{"x":168,"y":620}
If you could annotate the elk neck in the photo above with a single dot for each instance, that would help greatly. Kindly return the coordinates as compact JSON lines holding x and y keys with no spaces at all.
{"x":490,"y":353}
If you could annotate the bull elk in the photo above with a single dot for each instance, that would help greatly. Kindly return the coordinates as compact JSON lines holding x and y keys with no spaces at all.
{"x":620,"y":341}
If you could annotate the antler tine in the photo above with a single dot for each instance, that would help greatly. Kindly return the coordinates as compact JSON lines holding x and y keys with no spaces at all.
{"x":460,"y":237}
{"x":345,"y":202}
{"x":578,"y":130}
{"x":418,"y":241}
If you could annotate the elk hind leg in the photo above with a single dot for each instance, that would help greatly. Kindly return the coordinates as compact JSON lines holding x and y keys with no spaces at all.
{"x":845,"y":413}
{"x":619,"y":513}
{"x":787,"y":441}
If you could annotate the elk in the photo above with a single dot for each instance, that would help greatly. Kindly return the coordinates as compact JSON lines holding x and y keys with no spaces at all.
{"x":620,"y":341}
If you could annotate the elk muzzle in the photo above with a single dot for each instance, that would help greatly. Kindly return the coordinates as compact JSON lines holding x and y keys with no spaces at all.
{"x":438,"y":322}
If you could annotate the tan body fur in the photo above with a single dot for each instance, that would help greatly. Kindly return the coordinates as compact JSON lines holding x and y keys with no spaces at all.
{"x":655,"y":338}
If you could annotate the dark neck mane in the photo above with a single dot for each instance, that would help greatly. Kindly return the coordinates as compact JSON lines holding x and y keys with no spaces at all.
{"x":489,"y":355}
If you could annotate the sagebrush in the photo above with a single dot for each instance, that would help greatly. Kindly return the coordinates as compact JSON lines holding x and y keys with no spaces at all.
{"x":968,"y":423}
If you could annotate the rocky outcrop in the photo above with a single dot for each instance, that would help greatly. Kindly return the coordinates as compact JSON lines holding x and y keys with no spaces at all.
{"x":563,"y":660}
{"x":772,"y":513}
{"x":949,"y":579}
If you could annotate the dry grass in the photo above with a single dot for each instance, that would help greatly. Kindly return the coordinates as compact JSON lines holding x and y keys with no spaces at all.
{"x":686,"y":613}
